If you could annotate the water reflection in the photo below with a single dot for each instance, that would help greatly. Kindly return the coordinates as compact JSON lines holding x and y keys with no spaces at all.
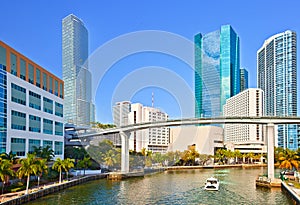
{"x":173,"y":187}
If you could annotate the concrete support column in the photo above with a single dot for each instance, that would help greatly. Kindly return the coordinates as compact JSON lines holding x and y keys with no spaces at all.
{"x":271,"y":144}
{"x":124,"y":152}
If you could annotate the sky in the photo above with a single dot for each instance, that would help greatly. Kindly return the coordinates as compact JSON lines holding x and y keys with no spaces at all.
{"x":34,"y":28}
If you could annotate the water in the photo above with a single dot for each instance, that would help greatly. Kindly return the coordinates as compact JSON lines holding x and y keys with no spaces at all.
{"x":172,"y":187}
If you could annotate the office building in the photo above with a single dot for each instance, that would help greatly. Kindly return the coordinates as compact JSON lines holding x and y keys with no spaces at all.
{"x":248,"y":103}
{"x":79,"y":109}
{"x":217,"y":70}
{"x":31,"y":105}
{"x":277,"y":77}
{"x":120,"y":113}
{"x":153,"y":139}
{"x":244,"y":79}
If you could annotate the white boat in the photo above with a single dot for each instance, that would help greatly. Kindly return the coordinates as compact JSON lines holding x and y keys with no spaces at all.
{"x":212,"y":184}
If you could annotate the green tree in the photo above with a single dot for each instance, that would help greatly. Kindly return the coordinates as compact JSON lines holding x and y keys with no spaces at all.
{"x":59,"y":166}
{"x":28,"y":167}
{"x":288,"y":159}
{"x":109,"y":158}
{"x":5,"y":171}
{"x":10,"y":157}
{"x":68,"y":164}
{"x":41,"y":167}
{"x":102,"y":126}
{"x":85,"y":163}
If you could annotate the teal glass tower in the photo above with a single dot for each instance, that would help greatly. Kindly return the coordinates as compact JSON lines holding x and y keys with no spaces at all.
{"x":217,"y":70}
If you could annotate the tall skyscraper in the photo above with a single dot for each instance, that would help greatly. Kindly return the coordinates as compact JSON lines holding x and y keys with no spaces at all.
{"x":244,"y":79}
{"x":217,"y":70}
{"x":277,"y":77}
{"x":120,"y":113}
{"x":79,"y":109}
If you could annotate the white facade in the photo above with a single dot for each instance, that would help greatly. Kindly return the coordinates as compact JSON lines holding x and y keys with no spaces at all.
{"x":120,"y":113}
{"x":22,"y":141}
{"x":245,"y":104}
{"x":154,"y":139}
{"x":205,"y":138}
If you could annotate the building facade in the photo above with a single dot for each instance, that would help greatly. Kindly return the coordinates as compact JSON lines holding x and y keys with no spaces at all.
{"x":31,"y":105}
{"x":79,"y":109}
{"x":277,"y":77}
{"x":120,"y":113}
{"x":153,"y":139}
{"x":244,"y":79}
{"x":217,"y":70}
{"x":248,"y":103}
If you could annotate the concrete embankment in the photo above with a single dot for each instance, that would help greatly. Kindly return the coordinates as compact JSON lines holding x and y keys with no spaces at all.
{"x":291,"y":191}
{"x":43,"y":191}
{"x":216,"y":166}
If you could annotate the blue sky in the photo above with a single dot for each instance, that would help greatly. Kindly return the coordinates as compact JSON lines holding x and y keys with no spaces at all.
{"x":33,"y":28}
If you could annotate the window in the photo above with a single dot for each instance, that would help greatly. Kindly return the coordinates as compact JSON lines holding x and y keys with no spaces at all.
{"x":50,"y":84}
{"x":23,"y":69}
{"x":59,"y":128}
{"x":48,"y":105}
{"x":3,"y":56}
{"x":47,"y":126}
{"x":58,"y":109}
{"x":61,"y":90}
{"x":33,"y":144}
{"x":13,"y":64}
{"x":34,"y":100}
{"x":18,"y":120}
{"x":18,"y":94}
{"x":45,"y":85}
{"x":58,"y":148}
{"x":34,"y":123}
{"x":47,"y":143}
{"x":38,"y":77}
{"x":18,"y":146}
{"x":30,"y":72}
{"x":56,"y":87}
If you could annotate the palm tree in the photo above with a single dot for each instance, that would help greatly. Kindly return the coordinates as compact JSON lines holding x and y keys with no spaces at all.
{"x":28,"y":167}
{"x":59,"y":165}
{"x":250,"y":156}
{"x":288,"y":159}
{"x":10,"y":156}
{"x":41,"y":168}
{"x":85,"y":163}
{"x":109,"y":158}
{"x":5,"y":171}
{"x":69,"y":163}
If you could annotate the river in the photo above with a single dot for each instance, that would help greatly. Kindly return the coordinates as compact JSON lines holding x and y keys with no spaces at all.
{"x":172,"y":187}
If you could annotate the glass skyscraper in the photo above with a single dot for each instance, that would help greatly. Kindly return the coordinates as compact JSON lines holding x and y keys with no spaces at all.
{"x":244,"y":79}
{"x":277,"y":77}
{"x":79,"y":109}
{"x":217,"y":70}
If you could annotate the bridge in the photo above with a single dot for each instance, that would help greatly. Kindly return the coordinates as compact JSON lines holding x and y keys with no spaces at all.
{"x":124,"y":131}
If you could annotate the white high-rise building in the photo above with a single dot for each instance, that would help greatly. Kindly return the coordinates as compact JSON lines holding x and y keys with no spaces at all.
{"x":153,"y":139}
{"x":277,"y":77}
{"x":120,"y":113}
{"x":248,"y":103}
{"x":79,"y":109}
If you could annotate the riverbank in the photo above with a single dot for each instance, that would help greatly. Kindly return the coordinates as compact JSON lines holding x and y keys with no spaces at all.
{"x":217,"y":166}
{"x":34,"y":193}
